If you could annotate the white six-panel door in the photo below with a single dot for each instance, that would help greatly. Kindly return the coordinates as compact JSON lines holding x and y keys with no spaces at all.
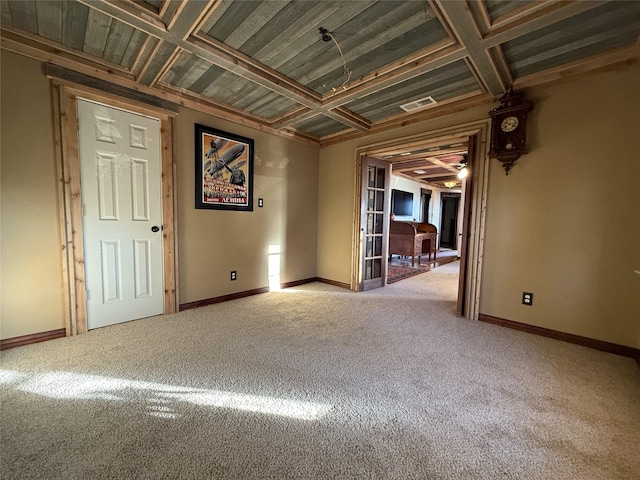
{"x":120,"y":163}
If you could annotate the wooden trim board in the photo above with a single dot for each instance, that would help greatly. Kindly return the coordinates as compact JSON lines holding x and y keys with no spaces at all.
{"x":76,"y":78}
{"x":257,"y":291}
{"x":32,"y":338}
{"x":222,"y":298}
{"x":334,"y":283}
{"x":297,"y":283}
{"x":609,"y":347}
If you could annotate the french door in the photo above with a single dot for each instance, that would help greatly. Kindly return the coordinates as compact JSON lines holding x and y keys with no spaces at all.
{"x":374,"y":223}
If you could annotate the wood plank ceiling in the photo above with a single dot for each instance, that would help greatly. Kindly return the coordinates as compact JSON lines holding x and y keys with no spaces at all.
{"x":265,"y":64}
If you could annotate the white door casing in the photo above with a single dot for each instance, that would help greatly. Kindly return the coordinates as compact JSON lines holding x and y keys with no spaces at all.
{"x":120,"y":164}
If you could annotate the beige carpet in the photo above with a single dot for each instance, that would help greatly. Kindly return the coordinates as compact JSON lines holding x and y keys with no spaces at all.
{"x":317,"y":382}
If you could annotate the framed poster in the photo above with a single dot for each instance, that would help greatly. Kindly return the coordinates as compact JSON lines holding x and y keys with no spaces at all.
{"x":224,"y":170}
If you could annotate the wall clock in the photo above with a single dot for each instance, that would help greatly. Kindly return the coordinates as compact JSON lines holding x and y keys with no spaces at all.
{"x":508,"y":128}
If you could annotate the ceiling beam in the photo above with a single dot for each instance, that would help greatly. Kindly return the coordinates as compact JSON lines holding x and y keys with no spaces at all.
{"x":209,"y":49}
{"x":426,"y":61}
{"x":463,"y":24}
{"x":506,"y":31}
{"x":244,"y":66}
{"x":223,"y":56}
{"x":440,"y":178}
{"x":444,"y":165}
{"x":183,"y":22}
{"x":350,"y":118}
{"x":422,"y":164}
{"x":612,"y":59}
{"x":405,"y":120}
{"x":437,"y":176}
{"x":293,"y":116}
{"x":297,"y":115}
{"x":46,"y":51}
{"x":181,"y":34}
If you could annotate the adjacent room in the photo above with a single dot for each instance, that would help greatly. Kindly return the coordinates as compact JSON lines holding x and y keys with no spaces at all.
{"x":319,"y":239}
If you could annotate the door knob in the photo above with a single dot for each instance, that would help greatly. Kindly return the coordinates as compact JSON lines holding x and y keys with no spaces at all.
{"x":155,"y":229}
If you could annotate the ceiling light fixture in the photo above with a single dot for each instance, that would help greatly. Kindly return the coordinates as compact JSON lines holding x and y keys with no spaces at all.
{"x":464,"y":171}
{"x":450,"y":184}
{"x":420,"y":172}
{"x":325,"y":34}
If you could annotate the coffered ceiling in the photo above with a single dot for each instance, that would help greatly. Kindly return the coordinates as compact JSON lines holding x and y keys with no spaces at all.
{"x":265,"y":63}
{"x":430,"y":164}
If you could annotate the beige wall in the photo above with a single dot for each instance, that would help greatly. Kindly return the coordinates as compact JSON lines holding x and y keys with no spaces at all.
{"x":336,"y":182}
{"x":30,"y":259}
{"x":564,"y":224}
{"x":213,"y":242}
{"x":435,"y":206}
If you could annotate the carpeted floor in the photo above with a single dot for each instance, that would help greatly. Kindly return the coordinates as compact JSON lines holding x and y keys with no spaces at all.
{"x":317,"y":382}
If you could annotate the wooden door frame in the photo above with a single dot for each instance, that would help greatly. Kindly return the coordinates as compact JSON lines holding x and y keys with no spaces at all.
{"x":468,"y":191}
{"x":477,"y":202}
{"x":65,"y":98}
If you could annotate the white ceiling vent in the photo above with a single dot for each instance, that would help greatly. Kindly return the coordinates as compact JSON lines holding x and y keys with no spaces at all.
{"x":421,"y":103}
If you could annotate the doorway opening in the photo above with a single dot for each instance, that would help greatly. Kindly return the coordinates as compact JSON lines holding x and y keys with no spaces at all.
{"x":461,"y":228}
{"x":425,"y":201}
{"x":450,"y":204}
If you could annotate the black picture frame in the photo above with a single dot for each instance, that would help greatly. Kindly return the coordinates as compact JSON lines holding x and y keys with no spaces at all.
{"x":223,"y":170}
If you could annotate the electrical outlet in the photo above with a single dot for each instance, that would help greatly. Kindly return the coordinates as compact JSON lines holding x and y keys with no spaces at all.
{"x":234,"y":275}
{"x":527,"y":298}
{"x":260,"y":203}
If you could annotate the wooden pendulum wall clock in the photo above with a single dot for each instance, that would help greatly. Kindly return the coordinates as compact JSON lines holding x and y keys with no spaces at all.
{"x":508,"y":128}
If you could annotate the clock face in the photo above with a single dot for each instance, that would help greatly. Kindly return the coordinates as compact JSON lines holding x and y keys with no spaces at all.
{"x":509,"y":124}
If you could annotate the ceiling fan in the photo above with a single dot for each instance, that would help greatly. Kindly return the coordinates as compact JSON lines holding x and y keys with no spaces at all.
{"x":462,"y":161}
{"x":459,"y":162}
